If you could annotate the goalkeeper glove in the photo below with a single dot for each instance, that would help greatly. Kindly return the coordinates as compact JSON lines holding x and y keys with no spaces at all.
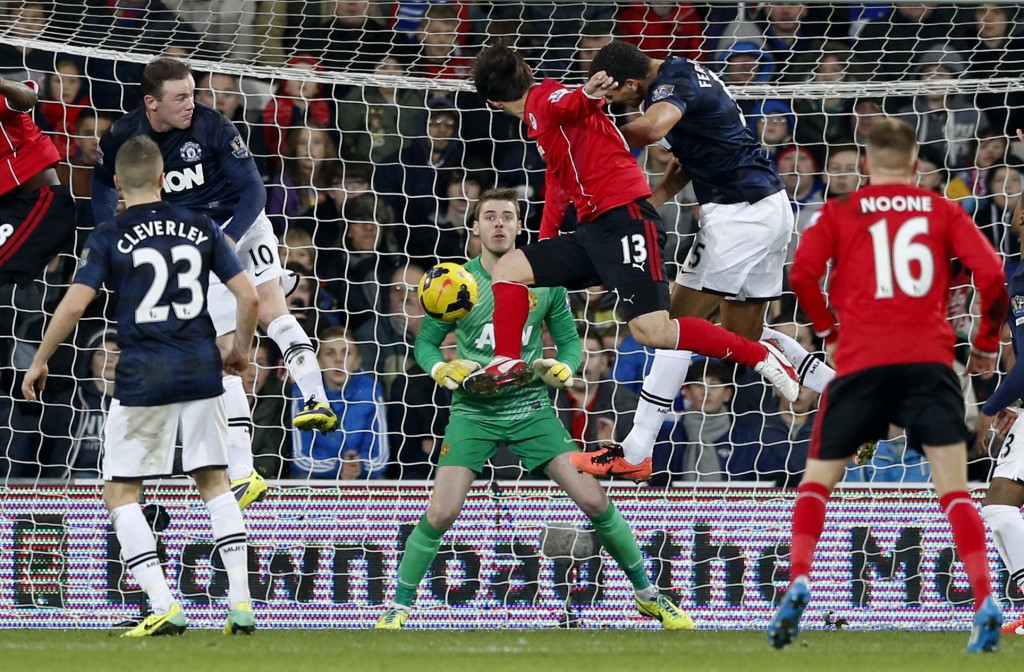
{"x":451,"y":374}
{"x":553,"y":372}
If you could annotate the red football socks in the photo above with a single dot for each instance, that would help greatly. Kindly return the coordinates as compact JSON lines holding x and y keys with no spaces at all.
{"x":511,"y":308}
{"x":969,"y":536}
{"x":704,"y":338}
{"x":808,"y":521}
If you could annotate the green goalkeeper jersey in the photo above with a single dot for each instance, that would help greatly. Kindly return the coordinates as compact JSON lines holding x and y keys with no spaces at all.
{"x":475,"y":338}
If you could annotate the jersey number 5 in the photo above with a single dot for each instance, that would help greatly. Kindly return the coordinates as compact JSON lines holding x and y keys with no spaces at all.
{"x":188,"y":279}
{"x":894,"y":263}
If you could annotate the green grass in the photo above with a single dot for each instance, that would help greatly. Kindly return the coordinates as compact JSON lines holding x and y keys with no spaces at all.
{"x":495,"y":650}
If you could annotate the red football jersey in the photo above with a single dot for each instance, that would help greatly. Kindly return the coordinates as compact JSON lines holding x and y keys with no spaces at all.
{"x":890,"y":247}
{"x":24,"y":150}
{"x":586,"y":156}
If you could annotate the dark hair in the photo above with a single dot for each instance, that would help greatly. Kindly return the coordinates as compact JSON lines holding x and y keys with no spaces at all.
{"x":139,"y":163}
{"x":496,"y":195}
{"x":162,"y":70}
{"x":710,"y":368}
{"x":622,"y":61}
{"x":501,"y":74}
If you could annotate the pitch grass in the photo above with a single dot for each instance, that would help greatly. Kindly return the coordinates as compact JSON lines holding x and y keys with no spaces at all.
{"x":495,"y":650}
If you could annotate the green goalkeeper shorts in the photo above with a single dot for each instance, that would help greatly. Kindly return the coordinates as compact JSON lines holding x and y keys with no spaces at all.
{"x":536,"y":440}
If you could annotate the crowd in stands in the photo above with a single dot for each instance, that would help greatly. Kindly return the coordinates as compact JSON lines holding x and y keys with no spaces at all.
{"x":368,"y":185}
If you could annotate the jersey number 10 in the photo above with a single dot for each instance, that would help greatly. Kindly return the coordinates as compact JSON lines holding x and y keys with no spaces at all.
{"x":894,"y":263}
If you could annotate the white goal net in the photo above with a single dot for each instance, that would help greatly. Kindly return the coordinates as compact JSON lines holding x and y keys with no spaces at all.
{"x":374,"y":146}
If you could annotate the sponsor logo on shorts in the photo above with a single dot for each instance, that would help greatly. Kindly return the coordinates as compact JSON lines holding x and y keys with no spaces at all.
{"x":6,"y":231}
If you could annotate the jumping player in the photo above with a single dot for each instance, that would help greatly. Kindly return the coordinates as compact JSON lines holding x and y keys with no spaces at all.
{"x":620,"y":237}
{"x":520,"y":417}
{"x":1005,"y":496}
{"x":890,"y":245}
{"x":37,"y":213}
{"x":210,"y":169}
{"x":157,"y":259}
{"x":745,"y":227}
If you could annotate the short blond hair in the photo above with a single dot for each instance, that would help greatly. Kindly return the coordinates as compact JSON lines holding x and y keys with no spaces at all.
{"x":139,"y":164}
{"x":892,"y":146}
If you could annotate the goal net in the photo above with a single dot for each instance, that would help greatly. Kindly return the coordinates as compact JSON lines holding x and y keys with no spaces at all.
{"x":374,"y":146}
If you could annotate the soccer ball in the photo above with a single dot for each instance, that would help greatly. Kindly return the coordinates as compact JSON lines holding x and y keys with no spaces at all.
{"x":448,"y":292}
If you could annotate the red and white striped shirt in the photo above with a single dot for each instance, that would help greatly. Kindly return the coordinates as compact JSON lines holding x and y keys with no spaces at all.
{"x":587,"y":157}
{"x":24,"y":150}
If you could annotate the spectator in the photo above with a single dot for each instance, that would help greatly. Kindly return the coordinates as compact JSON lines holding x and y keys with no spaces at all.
{"x":593,"y":309}
{"x":892,"y":462}
{"x":413,"y":181}
{"x":888,"y":43}
{"x":662,"y":29}
{"x":802,"y":178}
{"x":390,"y":338}
{"x":62,"y":99}
{"x":296,"y":103}
{"x":772,"y":123}
{"x":297,"y":248}
{"x":573,"y":69}
{"x":991,"y":151}
{"x":307,"y":163}
{"x":76,"y":173}
{"x":74,"y":430}
{"x":27,"y":21}
{"x":994,"y":214}
{"x":993,"y":41}
{"x":745,"y":63}
{"x":440,"y":55}
{"x":774,"y":446}
{"x":842,"y":171}
{"x":698,"y":446}
{"x":949,"y":122}
{"x":227,"y":29}
{"x":358,"y":261}
{"x":932,"y":175}
{"x":822,"y":122}
{"x":790,"y":39}
{"x":866,"y":111}
{"x":447,"y":237}
{"x":313,"y":308}
{"x":376,"y":120}
{"x":350,"y":39}
{"x":359,"y":448}
{"x":265,"y":389}
{"x":594,"y":409}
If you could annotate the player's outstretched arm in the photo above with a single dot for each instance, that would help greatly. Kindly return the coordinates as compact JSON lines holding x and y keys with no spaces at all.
{"x":20,"y":97}
{"x":672,"y":183}
{"x":67,"y":315}
{"x":248,"y":306}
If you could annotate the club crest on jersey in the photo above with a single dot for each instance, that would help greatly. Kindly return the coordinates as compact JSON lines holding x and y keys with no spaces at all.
{"x":533,"y":299}
{"x":558,"y":95}
{"x":238,"y":148}
{"x":662,"y":92}
{"x":445,"y":448}
{"x":191,"y":151}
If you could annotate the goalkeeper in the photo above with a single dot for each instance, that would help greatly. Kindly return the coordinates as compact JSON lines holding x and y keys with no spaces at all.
{"x":520,"y":417}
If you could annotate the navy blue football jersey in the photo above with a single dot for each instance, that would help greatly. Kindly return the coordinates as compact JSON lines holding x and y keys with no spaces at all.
{"x":157,"y":260}
{"x":207,"y":167}
{"x":712,"y":141}
{"x":1012,"y":387}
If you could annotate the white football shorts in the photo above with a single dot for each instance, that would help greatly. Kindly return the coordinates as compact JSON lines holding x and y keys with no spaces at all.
{"x":740,"y":249}
{"x":138,"y":441}
{"x":257,"y":250}
{"x":1010,"y":462}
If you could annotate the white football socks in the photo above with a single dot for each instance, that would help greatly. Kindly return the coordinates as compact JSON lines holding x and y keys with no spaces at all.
{"x":1008,"y":532}
{"x":138,"y":550}
{"x":229,"y":540}
{"x":661,"y":387}
{"x":299,"y":356}
{"x":239,"y":429}
{"x":811,"y":371}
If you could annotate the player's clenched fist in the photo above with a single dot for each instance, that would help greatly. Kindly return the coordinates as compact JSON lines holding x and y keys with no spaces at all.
{"x":451,"y":374}
{"x":553,"y":372}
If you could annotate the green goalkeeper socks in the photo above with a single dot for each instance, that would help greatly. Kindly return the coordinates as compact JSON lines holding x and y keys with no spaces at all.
{"x":420,"y":551}
{"x":613,"y":531}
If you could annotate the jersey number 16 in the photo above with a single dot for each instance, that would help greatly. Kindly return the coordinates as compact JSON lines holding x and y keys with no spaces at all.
{"x":893,"y":263}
